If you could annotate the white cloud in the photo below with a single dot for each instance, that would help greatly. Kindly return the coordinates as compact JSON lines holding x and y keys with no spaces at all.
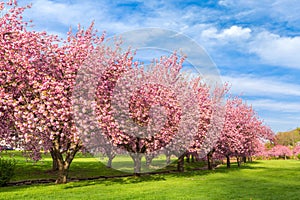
{"x":265,"y":12}
{"x":280,"y":115}
{"x":253,"y":86}
{"x":107,"y":15}
{"x":276,"y":50}
{"x":287,"y":10}
{"x":271,"y":105}
{"x":224,"y":2}
{"x":282,"y":123}
{"x":236,"y":32}
{"x":270,"y":48}
{"x":52,"y":15}
{"x":232,"y":33}
{"x":67,"y":14}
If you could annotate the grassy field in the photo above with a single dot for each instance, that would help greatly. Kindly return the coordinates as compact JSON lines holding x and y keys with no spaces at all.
{"x":274,"y":179}
{"x":83,"y":166}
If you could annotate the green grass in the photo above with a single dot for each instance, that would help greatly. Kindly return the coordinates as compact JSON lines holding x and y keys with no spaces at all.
{"x":273,"y":179}
{"x":83,"y":166}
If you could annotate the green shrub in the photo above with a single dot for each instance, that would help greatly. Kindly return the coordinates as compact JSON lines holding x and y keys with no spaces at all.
{"x":298,"y":156}
{"x":7,"y":169}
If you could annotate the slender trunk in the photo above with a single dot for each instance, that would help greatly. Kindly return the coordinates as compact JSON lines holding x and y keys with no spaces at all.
{"x":149,"y":159}
{"x":228,"y":161}
{"x":193,"y":158}
{"x":54,"y":161}
{"x":180,"y":163}
{"x":137,"y":164}
{"x":209,"y":160}
{"x":110,"y":153}
{"x":238,"y":160}
{"x":137,"y":161}
{"x":109,"y":162}
{"x":168,"y":159}
{"x":197,"y":158}
{"x":244,"y":159}
{"x":137,"y":157}
{"x":249,"y":158}
{"x":188,"y":157}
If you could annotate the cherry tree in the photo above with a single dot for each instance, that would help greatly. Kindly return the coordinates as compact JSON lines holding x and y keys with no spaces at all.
{"x":141,"y":109}
{"x":296,"y":151}
{"x":241,"y":132}
{"x":259,"y":151}
{"x":212,"y":113}
{"x":280,"y":151}
{"x":254,"y":134}
{"x":101,"y":147}
{"x":38,"y":73}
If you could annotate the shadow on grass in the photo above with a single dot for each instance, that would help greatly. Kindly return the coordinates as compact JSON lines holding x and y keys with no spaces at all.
{"x":164,"y":175}
{"x":222,"y":168}
{"x":112,"y":181}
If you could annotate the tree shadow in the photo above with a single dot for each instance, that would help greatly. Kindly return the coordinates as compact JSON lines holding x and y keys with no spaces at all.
{"x":112,"y":181}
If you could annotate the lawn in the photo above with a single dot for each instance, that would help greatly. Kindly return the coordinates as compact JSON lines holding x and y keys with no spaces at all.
{"x":273,"y":179}
{"x":83,"y":166}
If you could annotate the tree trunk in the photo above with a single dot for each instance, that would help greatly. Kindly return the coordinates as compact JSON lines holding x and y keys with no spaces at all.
{"x":228,"y":161}
{"x":180,"y":163}
{"x":63,"y":171}
{"x":137,"y":161}
{"x":54,"y":161}
{"x":64,"y":164}
{"x":244,"y":159}
{"x":168,"y":159}
{"x":249,"y":158}
{"x":238,"y":160}
{"x":109,"y":162}
{"x":149,"y":159}
{"x":188,"y":157}
{"x":209,"y":160}
{"x":109,"y":151}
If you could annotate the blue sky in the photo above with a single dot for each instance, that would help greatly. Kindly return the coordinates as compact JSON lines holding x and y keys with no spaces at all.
{"x":255,"y":44}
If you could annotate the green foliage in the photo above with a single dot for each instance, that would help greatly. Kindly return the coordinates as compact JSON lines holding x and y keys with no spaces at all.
{"x":289,"y":138}
{"x":7,"y":170}
{"x":298,"y":156}
{"x":269,"y":145}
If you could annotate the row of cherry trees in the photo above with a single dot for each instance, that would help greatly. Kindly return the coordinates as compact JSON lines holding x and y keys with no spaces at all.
{"x":41,"y":110}
{"x":243,"y":134}
{"x":279,"y":151}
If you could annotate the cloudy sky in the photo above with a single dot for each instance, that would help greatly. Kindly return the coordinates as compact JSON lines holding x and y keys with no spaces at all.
{"x":254,"y":44}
